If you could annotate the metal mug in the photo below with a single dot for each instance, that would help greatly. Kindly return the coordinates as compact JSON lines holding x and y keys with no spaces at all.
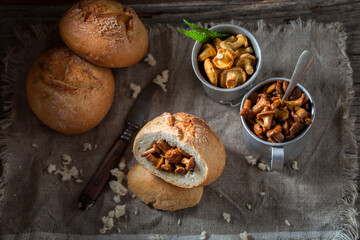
{"x":277,"y":152}
{"x":230,"y":96}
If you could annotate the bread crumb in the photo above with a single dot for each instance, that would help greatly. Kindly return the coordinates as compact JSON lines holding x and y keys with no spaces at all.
{"x":111,"y":214}
{"x":251,"y":160}
{"x":116,"y":198}
{"x":162,"y":79}
{"x":136,"y":90}
{"x":287,"y":223}
{"x":203,"y":235}
{"x":118,"y":174}
{"x":66,"y":159}
{"x":51,"y":168}
{"x":81,"y":171}
{"x":95,"y":146}
{"x":136,"y":212}
{"x":108,"y":222}
{"x":294,"y":166}
{"x":179,"y":221}
{"x":87,"y":146}
{"x":67,"y":173}
{"x":150,"y":60}
{"x":262,"y":194}
{"x":118,"y":188}
{"x":122,"y":164}
{"x":244,"y":236}
{"x":119,"y":210}
{"x":34,"y":145}
{"x":156,"y":237}
{"x":226,"y":216}
{"x":248,"y":206}
{"x":133,"y":196}
{"x":119,"y":230}
{"x":263,"y":166}
{"x":79,"y":180}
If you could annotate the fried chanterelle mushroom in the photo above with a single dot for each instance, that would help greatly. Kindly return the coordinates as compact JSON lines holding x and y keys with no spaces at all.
{"x":274,"y":120}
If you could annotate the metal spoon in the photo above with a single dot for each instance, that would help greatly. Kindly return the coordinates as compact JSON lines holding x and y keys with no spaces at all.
{"x":302,"y":65}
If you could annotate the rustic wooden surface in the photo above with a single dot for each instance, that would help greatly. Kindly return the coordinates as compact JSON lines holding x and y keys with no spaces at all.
{"x":21,"y":13}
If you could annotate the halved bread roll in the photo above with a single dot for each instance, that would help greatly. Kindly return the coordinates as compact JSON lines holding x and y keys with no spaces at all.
{"x":162,"y":195}
{"x":189,"y":134}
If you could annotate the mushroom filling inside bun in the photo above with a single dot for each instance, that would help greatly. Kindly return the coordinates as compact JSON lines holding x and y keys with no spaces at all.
{"x":168,"y":158}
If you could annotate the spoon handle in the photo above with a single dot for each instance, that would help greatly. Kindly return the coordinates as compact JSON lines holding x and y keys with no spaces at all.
{"x":302,"y":65}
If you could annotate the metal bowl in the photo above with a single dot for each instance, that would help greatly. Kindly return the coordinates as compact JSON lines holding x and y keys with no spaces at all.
{"x":277,"y":153}
{"x":225,"y":95}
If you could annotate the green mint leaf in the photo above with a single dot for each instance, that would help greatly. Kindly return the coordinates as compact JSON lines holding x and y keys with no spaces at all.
{"x":197,"y":36}
{"x":201,"y":34}
{"x":206,"y":31}
{"x":197,"y":28}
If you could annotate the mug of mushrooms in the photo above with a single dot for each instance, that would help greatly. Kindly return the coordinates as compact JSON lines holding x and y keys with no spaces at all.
{"x":227,"y":67}
{"x":274,"y":129}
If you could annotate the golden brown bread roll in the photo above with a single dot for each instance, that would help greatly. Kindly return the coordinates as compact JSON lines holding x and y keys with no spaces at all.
{"x":67,"y":93}
{"x":104,"y":32}
{"x":162,"y":195}
{"x":194,"y":137}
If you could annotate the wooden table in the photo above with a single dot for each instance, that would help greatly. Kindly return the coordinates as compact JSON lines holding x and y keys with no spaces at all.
{"x":20,"y":13}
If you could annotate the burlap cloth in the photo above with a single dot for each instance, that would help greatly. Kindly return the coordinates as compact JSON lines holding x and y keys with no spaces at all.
{"x":318,"y":200}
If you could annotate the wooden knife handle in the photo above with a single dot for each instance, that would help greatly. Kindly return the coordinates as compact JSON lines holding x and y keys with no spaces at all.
{"x":101,"y":176}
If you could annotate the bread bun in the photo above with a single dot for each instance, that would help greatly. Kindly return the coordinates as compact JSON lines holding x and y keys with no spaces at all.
{"x":67,"y":93}
{"x":193,"y":136}
{"x":162,"y":195}
{"x":104,"y":32}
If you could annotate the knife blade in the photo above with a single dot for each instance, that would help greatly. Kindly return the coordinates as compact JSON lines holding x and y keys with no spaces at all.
{"x":134,"y":120}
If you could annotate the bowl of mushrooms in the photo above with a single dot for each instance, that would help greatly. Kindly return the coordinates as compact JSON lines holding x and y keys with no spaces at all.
{"x":275,"y":129}
{"x":227,"y":67}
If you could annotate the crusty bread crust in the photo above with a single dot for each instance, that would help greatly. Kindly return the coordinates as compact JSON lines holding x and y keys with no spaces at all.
{"x":104,"y":32}
{"x":193,"y":135}
{"x":162,"y":195}
{"x":67,"y":93}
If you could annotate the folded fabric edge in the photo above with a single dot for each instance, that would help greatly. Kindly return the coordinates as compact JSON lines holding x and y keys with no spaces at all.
{"x":349,"y":153}
{"x":9,"y":74}
{"x":202,"y":234}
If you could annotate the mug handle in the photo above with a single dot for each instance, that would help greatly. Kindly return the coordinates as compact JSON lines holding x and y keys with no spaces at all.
{"x":277,"y":158}
{"x":234,"y":103}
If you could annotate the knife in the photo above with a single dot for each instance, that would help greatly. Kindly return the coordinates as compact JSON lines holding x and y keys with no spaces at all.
{"x":134,"y":121}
